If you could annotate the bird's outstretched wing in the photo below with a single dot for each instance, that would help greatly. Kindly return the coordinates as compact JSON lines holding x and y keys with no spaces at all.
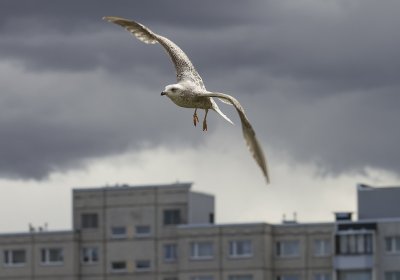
{"x":184,"y":67}
{"x":248,"y":132}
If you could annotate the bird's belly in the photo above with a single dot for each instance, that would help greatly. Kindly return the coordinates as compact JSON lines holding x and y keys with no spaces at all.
{"x":192,"y":102}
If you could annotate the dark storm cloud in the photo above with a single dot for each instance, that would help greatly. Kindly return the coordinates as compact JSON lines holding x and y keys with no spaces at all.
{"x":340,"y":134}
{"x":72,"y":36}
{"x":55,"y":122}
{"x":319,"y":79}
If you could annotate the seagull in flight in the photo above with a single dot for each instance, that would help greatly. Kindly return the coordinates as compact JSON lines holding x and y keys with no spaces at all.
{"x":190,"y":92}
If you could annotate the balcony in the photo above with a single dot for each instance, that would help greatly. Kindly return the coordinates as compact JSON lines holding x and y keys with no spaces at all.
{"x":343,"y":262}
{"x":354,"y":249}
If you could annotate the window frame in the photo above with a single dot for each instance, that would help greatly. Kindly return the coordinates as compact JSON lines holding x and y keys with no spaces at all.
{"x":355,"y":243}
{"x":173,"y":247}
{"x":119,"y":270}
{"x":8,"y":258}
{"x":122,"y":235}
{"x":91,"y":250}
{"x":394,"y":245}
{"x":142,"y":234}
{"x":234,"y":246}
{"x":93,"y":224}
{"x":195,"y":250}
{"x":280,"y":248}
{"x":172,"y":217}
{"x":45,"y":253}
{"x":325,"y":244}
{"x":143,"y":268}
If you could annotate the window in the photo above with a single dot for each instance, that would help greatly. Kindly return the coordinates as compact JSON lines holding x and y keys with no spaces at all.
{"x":392,"y":275}
{"x":170,"y":252}
{"x":211,"y":218}
{"x":354,"y":244}
{"x":90,"y":255}
{"x":143,"y":264}
{"x":89,"y":220}
{"x":392,"y":244}
{"x":118,"y":266}
{"x":322,"y":247}
{"x":241,"y":277}
{"x":288,"y":248}
{"x":240,"y":248}
{"x":14,"y":257}
{"x":172,"y":217}
{"x":142,"y":230}
{"x":118,"y":232}
{"x":52,"y":256}
{"x":288,"y":277}
{"x":202,"y":277}
{"x":322,"y":276}
{"x":201,"y":250}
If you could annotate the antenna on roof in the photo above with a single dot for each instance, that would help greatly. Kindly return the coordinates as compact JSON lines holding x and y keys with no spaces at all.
{"x":294,"y":221}
{"x":31,"y":228}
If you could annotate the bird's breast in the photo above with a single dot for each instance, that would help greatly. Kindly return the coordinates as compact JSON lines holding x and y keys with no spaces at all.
{"x":192,"y":101}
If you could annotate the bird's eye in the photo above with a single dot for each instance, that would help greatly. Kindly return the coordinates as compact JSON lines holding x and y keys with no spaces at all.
{"x":173,"y":89}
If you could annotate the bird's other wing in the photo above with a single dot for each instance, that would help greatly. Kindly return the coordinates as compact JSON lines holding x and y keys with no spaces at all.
{"x":184,"y":67}
{"x":248,"y":132}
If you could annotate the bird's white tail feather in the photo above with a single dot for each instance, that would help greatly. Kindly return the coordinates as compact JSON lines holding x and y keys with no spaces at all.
{"x":216,"y":109}
{"x":225,"y":101}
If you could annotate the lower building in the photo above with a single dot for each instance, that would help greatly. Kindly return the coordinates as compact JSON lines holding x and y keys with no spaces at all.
{"x":167,"y":232}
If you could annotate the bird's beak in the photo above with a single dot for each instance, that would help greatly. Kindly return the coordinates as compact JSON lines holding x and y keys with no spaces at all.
{"x":163,"y":93}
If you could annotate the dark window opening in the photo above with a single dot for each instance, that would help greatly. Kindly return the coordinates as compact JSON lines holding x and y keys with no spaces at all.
{"x":211,"y":218}
{"x":143,"y":264}
{"x":89,"y":220}
{"x":118,"y":265}
{"x":172,"y":217}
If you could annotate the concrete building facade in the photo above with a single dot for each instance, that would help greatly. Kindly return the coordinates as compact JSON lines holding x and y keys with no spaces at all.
{"x":167,"y":232}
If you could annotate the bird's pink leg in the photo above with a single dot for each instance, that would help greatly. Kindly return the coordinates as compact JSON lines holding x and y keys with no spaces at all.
{"x":205,"y":121}
{"x":195,"y":118}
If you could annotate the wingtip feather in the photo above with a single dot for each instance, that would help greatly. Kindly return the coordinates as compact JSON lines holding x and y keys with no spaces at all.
{"x":108,"y":18}
{"x":267,"y":180}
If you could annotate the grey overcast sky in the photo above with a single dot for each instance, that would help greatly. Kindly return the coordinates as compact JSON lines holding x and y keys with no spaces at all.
{"x":80,"y":103}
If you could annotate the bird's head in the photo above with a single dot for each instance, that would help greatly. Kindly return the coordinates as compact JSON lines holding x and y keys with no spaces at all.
{"x":172,"y":90}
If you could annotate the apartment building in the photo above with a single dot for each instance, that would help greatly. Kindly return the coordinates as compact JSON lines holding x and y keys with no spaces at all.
{"x":167,"y":232}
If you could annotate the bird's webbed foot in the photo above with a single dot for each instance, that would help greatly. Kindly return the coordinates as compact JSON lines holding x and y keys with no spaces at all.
{"x":195,"y":118}
{"x":205,"y":121}
{"x":204,"y":125}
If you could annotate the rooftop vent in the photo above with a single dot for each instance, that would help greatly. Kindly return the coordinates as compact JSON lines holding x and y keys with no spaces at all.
{"x":343,"y":216}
